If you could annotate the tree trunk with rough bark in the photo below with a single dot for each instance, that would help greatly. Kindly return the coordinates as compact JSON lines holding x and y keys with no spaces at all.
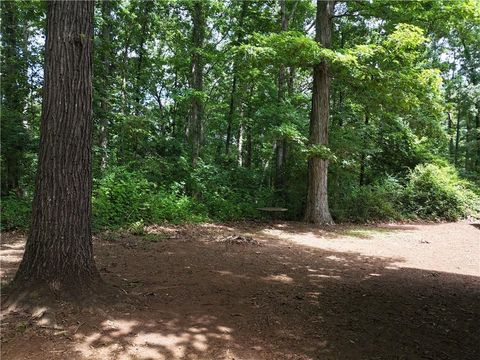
{"x":451,"y":146}
{"x":233,"y":94}
{"x":457,"y":138}
{"x":281,"y":143}
{"x":363,"y":157}
{"x":59,"y":254}
{"x":317,"y":210}
{"x":196,"y":117}
{"x":106,"y":37}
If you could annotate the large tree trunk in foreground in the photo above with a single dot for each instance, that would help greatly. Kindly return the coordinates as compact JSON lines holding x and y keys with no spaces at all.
{"x":317,"y":210}
{"x":59,"y":253}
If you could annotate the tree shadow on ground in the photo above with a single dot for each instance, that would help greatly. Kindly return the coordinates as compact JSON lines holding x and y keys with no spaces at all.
{"x":477,"y":226}
{"x":186,"y":298}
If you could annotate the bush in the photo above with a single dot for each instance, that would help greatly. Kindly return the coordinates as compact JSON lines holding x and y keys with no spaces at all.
{"x":121,"y":198}
{"x":15,"y":212}
{"x":437,"y":193}
{"x":124,"y":198}
{"x":431,"y":192}
{"x":173,"y":206}
{"x":377,"y":202}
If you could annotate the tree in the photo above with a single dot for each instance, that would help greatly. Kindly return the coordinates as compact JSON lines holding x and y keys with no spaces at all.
{"x":59,"y":254}
{"x":317,"y":210}
{"x":196,"y":116}
{"x":14,"y":90}
{"x":105,"y":67}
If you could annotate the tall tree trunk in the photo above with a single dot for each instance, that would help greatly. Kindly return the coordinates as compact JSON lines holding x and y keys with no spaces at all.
{"x":281,"y":143}
{"x":317,"y":210}
{"x":457,"y":138}
{"x":451,"y":146}
{"x":248,"y":158}
{"x":196,"y":118}
{"x":14,"y":91}
{"x":106,"y":37}
{"x":477,"y":131}
{"x":363,"y":157}
{"x":59,"y":254}
{"x":468,"y":141}
{"x":233,"y":93}
{"x":240,"y":143}
{"x":146,"y":7}
{"x":472,"y":161}
{"x":231,"y":112}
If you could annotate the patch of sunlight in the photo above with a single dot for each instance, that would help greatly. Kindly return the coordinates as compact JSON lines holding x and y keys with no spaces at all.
{"x":224,"y":329}
{"x":284,"y":278}
{"x":358,"y":232}
{"x":324,"y":276}
{"x":132,"y":339}
{"x":335,"y":258}
{"x":216,"y":226}
{"x":427,"y":247}
{"x":229,"y":273}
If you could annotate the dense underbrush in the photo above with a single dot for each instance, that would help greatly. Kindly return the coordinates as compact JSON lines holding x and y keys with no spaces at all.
{"x":123,"y":197}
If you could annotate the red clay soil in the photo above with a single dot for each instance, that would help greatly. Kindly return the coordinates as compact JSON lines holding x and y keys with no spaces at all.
{"x":279,"y":291}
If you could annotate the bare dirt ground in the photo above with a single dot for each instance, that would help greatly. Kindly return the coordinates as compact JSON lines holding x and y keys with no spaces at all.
{"x":272,"y":291}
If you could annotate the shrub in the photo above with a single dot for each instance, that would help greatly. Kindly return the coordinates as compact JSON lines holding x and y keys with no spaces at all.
{"x":379,"y":201}
{"x":172,"y":205}
{"x":121,"y":198}
{"x":436,"y":193}
{"x":15,"y":212}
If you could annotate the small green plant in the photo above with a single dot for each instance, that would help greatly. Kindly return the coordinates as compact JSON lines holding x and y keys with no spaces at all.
{"x":22,"y":327}
{"x":137,"y":228}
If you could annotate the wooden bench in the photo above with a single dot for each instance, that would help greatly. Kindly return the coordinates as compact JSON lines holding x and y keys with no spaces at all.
{"x":273,"y":211}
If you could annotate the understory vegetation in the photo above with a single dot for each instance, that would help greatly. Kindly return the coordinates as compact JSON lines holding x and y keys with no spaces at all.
{"x":123,"y":198}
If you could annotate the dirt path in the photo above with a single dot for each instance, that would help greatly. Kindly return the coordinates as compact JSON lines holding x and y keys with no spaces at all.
{"x":350,"y":292}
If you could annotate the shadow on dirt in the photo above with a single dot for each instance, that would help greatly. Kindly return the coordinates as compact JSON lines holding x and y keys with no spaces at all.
{"x":191,"y":299}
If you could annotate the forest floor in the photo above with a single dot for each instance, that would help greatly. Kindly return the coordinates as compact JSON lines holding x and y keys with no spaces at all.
{"x":279,"y":290}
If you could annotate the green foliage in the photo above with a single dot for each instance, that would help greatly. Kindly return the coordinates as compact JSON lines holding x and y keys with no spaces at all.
{"x":432,"y":192}
{"x":402,"y":84}
{"x":15,"y":212}
{"x":123,"y":198}
{"x":173,"y":206}
{"x":380,"y":201}
{"x":321,"y":151}
{"x":120,"y":198}
{"x":437,"y":193}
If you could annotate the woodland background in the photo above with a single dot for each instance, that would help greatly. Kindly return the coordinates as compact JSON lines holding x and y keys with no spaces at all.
{"x":201,"y":110}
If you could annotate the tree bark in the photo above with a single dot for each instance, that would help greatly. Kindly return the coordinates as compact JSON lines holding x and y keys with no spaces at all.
{"x":468,"y":141}
{"x":281,"y":143}
{"x":106,"y":36}
{"x":196,"y":118}
{"x":317,"y":210}
{"x":59,"y":254}
{"x":477,"y":130}
{"x":457,"y":138}
{"x":451,"y":146}
{"x":240,"y":143}
{"x":363,"y":156}
{"x":233,"y":93}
